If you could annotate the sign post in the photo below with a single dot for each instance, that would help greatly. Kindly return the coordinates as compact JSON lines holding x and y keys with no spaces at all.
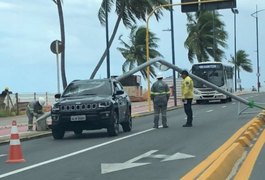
{"x":57,"y":47}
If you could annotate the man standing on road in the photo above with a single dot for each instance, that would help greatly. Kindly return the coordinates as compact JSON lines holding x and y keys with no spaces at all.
{"x":187,"y":96}
{"x":160,"y":94}
{"x":34,"y":109}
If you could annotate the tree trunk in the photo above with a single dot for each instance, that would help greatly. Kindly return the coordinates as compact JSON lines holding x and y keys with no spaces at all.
{"x":110,"y":43}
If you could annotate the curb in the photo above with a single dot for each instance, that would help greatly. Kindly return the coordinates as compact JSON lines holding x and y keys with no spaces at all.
{"x":137,"y":115}
{"x":220,"y":163}
{"x":26,"y":136}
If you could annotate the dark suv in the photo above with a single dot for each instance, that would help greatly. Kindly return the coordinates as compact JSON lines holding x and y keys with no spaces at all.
{"x":89,"y":105}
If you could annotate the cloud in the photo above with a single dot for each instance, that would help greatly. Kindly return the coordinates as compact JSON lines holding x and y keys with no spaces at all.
{"x":7,"y":6}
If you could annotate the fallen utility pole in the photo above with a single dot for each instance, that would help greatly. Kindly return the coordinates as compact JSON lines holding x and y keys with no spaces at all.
{"x":251,"y":104}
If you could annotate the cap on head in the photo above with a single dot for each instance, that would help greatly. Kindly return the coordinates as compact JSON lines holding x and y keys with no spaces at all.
{"x":41,"y":101}
{"x":159,"y":75}
{"x":184,"y":72}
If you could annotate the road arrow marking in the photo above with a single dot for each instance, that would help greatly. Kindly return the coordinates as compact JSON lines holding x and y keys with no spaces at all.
{"x":107,"y":168}
{"x":147,"y":154}
{"x":178,"y":156}
{"x":112,"y":167}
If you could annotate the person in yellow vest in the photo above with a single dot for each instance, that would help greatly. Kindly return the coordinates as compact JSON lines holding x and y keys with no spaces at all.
{"x":160,"y":94}
{"x":187,"y":96}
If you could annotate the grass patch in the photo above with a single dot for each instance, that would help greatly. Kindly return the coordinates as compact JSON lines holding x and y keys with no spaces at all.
{"x":5,"y":113}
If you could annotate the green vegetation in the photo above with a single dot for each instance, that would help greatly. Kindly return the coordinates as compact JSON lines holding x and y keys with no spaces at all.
{"x":134,"y":51}
{"x":206,"y":36}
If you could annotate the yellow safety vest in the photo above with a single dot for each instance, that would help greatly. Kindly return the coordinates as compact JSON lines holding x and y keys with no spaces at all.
{"x":187,"y":88}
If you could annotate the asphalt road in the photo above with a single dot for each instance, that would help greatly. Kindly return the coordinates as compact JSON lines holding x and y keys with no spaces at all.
{"x":143,"y":154}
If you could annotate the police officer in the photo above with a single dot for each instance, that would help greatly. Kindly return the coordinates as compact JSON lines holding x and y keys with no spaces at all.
{"x":187,"y":96}
{"x":160,"y":94}
{"x":34,"y":109}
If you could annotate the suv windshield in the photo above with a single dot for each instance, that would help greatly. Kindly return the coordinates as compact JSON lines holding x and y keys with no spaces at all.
{"x":88,"y":87}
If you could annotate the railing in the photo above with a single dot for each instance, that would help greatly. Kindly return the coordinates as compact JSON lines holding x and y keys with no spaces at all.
{"x":18,"y":102}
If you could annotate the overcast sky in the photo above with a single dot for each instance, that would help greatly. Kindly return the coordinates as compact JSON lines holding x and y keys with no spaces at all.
{"x":28,"y":27}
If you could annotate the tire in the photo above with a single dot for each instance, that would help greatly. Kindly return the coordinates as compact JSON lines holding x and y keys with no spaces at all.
{"x":78,"y":132}
{"x":223,"y":100}
{"x":113,"y":129}
{"x":58,"y":132}
{"x":198,"y":101}
{"x":127,"y":125}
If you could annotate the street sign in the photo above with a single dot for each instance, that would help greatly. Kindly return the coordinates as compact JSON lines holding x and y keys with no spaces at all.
{"x":211,"y":5}
{"x":56,"y":47}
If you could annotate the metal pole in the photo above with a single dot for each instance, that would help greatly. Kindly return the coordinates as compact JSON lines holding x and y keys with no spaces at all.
{"x":207,"y":83}
{"x":257,"y":36}
{"x":213,"y":35}
{"x":58,"y":74}
{"x":235,"y":11}
{"x":58,"y":69}
{"x":173,"y":53}
{"x":107,"y":40}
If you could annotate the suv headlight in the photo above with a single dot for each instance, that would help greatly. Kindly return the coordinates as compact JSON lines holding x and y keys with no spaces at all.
{"x":104,"y":104}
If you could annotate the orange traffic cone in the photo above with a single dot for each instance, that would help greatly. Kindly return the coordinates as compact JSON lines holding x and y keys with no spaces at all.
{"x":15,"y":152}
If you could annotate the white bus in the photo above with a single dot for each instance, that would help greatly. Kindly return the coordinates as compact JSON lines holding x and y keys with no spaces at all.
{"x":216,"y":73}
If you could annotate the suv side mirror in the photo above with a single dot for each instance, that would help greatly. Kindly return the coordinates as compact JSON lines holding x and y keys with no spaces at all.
{"x":119,"y":92}
{"x":57,"y":96}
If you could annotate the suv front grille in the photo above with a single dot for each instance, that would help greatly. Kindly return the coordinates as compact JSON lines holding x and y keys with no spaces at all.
{"x":78,"y":107}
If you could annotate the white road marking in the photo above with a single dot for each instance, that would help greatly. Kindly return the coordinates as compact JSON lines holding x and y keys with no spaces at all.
{"x":209,"y":111}
{"x":178,"y":156}
{"x":71,"y":154}
{"x":107,"y":168}
{"x":224,"y":106}
{"x":141,"y":156}
{"x":3,"y":155}
{"x":112,"y":167}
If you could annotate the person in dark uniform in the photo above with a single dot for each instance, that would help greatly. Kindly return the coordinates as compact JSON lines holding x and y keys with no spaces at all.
{"x":160,"y":94}
{"x":34,"y":109}
{"x":187,"y":96}
{"x":5,"y":92}
{"x":4,"y":96}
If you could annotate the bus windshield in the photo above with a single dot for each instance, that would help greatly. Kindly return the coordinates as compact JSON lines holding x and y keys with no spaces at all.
{"x":209,"y":72}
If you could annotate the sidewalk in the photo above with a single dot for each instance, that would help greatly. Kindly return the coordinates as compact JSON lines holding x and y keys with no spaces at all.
{"x":138,"y":109}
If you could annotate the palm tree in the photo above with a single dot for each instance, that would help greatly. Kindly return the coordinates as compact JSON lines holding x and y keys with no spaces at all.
{"x":128,"y":12}
{"x":206,"y":35}
{"x":242,"y":62}
{"x":134,"y":51}
{"x":61,"y":19}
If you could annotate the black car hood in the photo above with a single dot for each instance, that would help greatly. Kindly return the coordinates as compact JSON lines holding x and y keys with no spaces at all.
{"x":84,"y":99}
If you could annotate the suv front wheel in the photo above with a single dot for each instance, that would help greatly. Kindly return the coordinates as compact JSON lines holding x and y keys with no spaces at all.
{"x":113,"y":129}
{"x":127,"y":125}
{"x":58,"y":132}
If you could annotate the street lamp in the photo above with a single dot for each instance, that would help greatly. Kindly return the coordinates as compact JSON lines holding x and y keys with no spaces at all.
{"x":173,"y":53}
{"x":235,"y":12}
{"x":107,"y":39}
{"x":255,"y":15}
{"x":173,"y":61}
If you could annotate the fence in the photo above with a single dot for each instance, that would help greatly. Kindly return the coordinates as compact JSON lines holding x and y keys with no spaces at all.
{"x":18,"y":102}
